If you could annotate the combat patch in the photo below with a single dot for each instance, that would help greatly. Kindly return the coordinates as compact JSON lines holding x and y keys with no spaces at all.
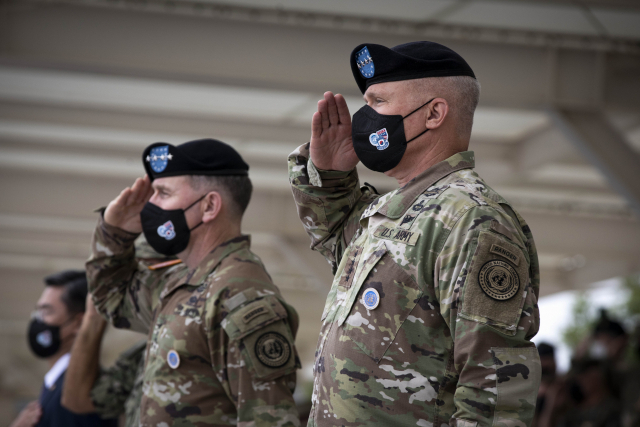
{"x":495,"y":288}
{"x":273,"y":350}
{"x":499,"y":280}
{"x":397,"y":235}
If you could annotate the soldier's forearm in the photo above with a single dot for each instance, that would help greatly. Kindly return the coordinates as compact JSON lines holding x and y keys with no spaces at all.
{"x":84,"y":366}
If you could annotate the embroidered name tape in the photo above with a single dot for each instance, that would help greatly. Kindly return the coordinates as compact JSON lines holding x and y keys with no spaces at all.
{"x":499,"y":250}
{"x":397,"y":235}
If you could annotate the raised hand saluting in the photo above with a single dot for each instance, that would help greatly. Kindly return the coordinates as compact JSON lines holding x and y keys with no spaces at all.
{"x":124,"y":211}
{"x":331,"y":146}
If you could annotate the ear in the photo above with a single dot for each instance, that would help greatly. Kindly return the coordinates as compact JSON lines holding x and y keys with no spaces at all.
{"x":212,"y":206}
{"x":437,"y":112}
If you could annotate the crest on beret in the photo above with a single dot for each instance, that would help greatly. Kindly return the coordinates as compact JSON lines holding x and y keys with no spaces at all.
{"x":159,"y":158}
{"x":365,"y":63}
{"x":380,"y":139}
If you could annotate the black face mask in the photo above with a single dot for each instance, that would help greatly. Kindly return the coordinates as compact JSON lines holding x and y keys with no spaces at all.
{"x":166,"y":231}
{"x":44,"y":339}
{"x":378,"y":139}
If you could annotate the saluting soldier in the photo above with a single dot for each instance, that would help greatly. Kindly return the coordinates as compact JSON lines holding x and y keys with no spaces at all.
{"x":221,"y":337}
{"x":432,"y":309}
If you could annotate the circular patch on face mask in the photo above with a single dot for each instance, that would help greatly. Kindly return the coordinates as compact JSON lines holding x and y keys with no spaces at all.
{"x":273,"y":350}
{"x":499,"y":280}
{"x":44,"y":338}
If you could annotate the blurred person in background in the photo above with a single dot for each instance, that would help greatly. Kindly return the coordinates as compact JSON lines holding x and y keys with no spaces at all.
{"x":117,"y":390}
{"x":54,"y":326}
{"x":586,"y":397}
{"x":111,"y":392}
{"x":221,"y":337}
{"x":548,"y":378}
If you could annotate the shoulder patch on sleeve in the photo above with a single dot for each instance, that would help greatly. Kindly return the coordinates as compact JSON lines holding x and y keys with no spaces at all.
{"x":265,"y":338}
{"x":496,"y":283}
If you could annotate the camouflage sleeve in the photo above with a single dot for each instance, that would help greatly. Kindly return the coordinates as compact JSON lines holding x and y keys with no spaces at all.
{"x":329,"y":203}
{"x":484,"y":280}
{"x":123,"y":288}
{"x":256,"y":352}
{"x":115,"y":385}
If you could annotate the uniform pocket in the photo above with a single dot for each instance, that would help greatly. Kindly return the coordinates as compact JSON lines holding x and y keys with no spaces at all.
{"x":395,"y":293}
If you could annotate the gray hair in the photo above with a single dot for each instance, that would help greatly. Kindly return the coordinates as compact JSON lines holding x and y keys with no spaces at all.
{"x":236,"y":188}
{"x":462,"y":94}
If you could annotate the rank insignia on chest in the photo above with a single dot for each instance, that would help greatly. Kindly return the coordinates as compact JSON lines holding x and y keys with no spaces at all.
{"x":173,"y":359}
{"x":370,"y":298}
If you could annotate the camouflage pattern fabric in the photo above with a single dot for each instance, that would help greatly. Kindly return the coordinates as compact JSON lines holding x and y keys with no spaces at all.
{"x":220,"y":349}
{"x":118,"y":390}
{"x":456,"y":273}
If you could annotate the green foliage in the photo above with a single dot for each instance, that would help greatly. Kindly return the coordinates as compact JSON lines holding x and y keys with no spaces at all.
{"x":583,"y":319}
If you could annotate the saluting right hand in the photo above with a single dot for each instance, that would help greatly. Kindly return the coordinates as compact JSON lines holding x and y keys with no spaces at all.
{"x":124,"y":211}
{"x":331,"y":145}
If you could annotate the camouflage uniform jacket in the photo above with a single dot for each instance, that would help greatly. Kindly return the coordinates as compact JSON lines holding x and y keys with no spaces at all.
{"x":434,"y":302}
{"x":118,"y":390}
{"x":220,"y":348}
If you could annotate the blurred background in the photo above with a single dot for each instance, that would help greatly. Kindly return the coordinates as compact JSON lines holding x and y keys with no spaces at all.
{"x":85,"y":85}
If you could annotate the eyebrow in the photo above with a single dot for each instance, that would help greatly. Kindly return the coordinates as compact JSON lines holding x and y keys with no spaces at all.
{"x":160,"y":187}
{"x":41,"y":306}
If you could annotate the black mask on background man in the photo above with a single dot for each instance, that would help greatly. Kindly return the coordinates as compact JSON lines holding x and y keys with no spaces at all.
{"x":166,"y":230}
{"x":378,"y":139}
{"x":44,"y":339}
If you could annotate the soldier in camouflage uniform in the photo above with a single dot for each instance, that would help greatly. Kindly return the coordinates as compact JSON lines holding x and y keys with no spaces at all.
{"x":220,"y":348}
{"x":118,"y":390}
{"x":431,"y":313}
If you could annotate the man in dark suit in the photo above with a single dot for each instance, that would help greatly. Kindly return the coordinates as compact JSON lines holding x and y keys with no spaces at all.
{"x":52,"y":331}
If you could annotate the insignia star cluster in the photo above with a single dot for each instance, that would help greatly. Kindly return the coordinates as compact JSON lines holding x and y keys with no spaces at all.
{"x":160,"y":157}
{"x":364,"y":62}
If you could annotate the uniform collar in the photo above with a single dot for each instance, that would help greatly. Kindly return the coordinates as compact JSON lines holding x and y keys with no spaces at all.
{"x":197,"y":275}
{"x":396,"y":203}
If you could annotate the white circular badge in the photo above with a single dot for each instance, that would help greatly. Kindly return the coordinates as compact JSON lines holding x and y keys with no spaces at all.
{"x":370,"y":298}
{"x":173,"y":359}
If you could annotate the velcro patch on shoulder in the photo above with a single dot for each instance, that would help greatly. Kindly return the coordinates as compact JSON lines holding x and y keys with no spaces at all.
{"x":247,"y":318}
{"x":397,"y":235}
{"x":496,"y":283}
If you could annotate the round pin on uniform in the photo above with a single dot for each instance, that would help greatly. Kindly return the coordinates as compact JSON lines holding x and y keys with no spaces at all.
{"x":173,"y":359}
{"x":370,"y":298}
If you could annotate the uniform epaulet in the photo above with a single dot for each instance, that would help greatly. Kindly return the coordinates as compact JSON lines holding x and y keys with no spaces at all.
{"x":164,"y":264}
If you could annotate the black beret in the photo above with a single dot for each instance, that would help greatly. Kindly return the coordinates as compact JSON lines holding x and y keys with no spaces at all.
{"x":199,"y":157}
{"x":374,"y":63}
